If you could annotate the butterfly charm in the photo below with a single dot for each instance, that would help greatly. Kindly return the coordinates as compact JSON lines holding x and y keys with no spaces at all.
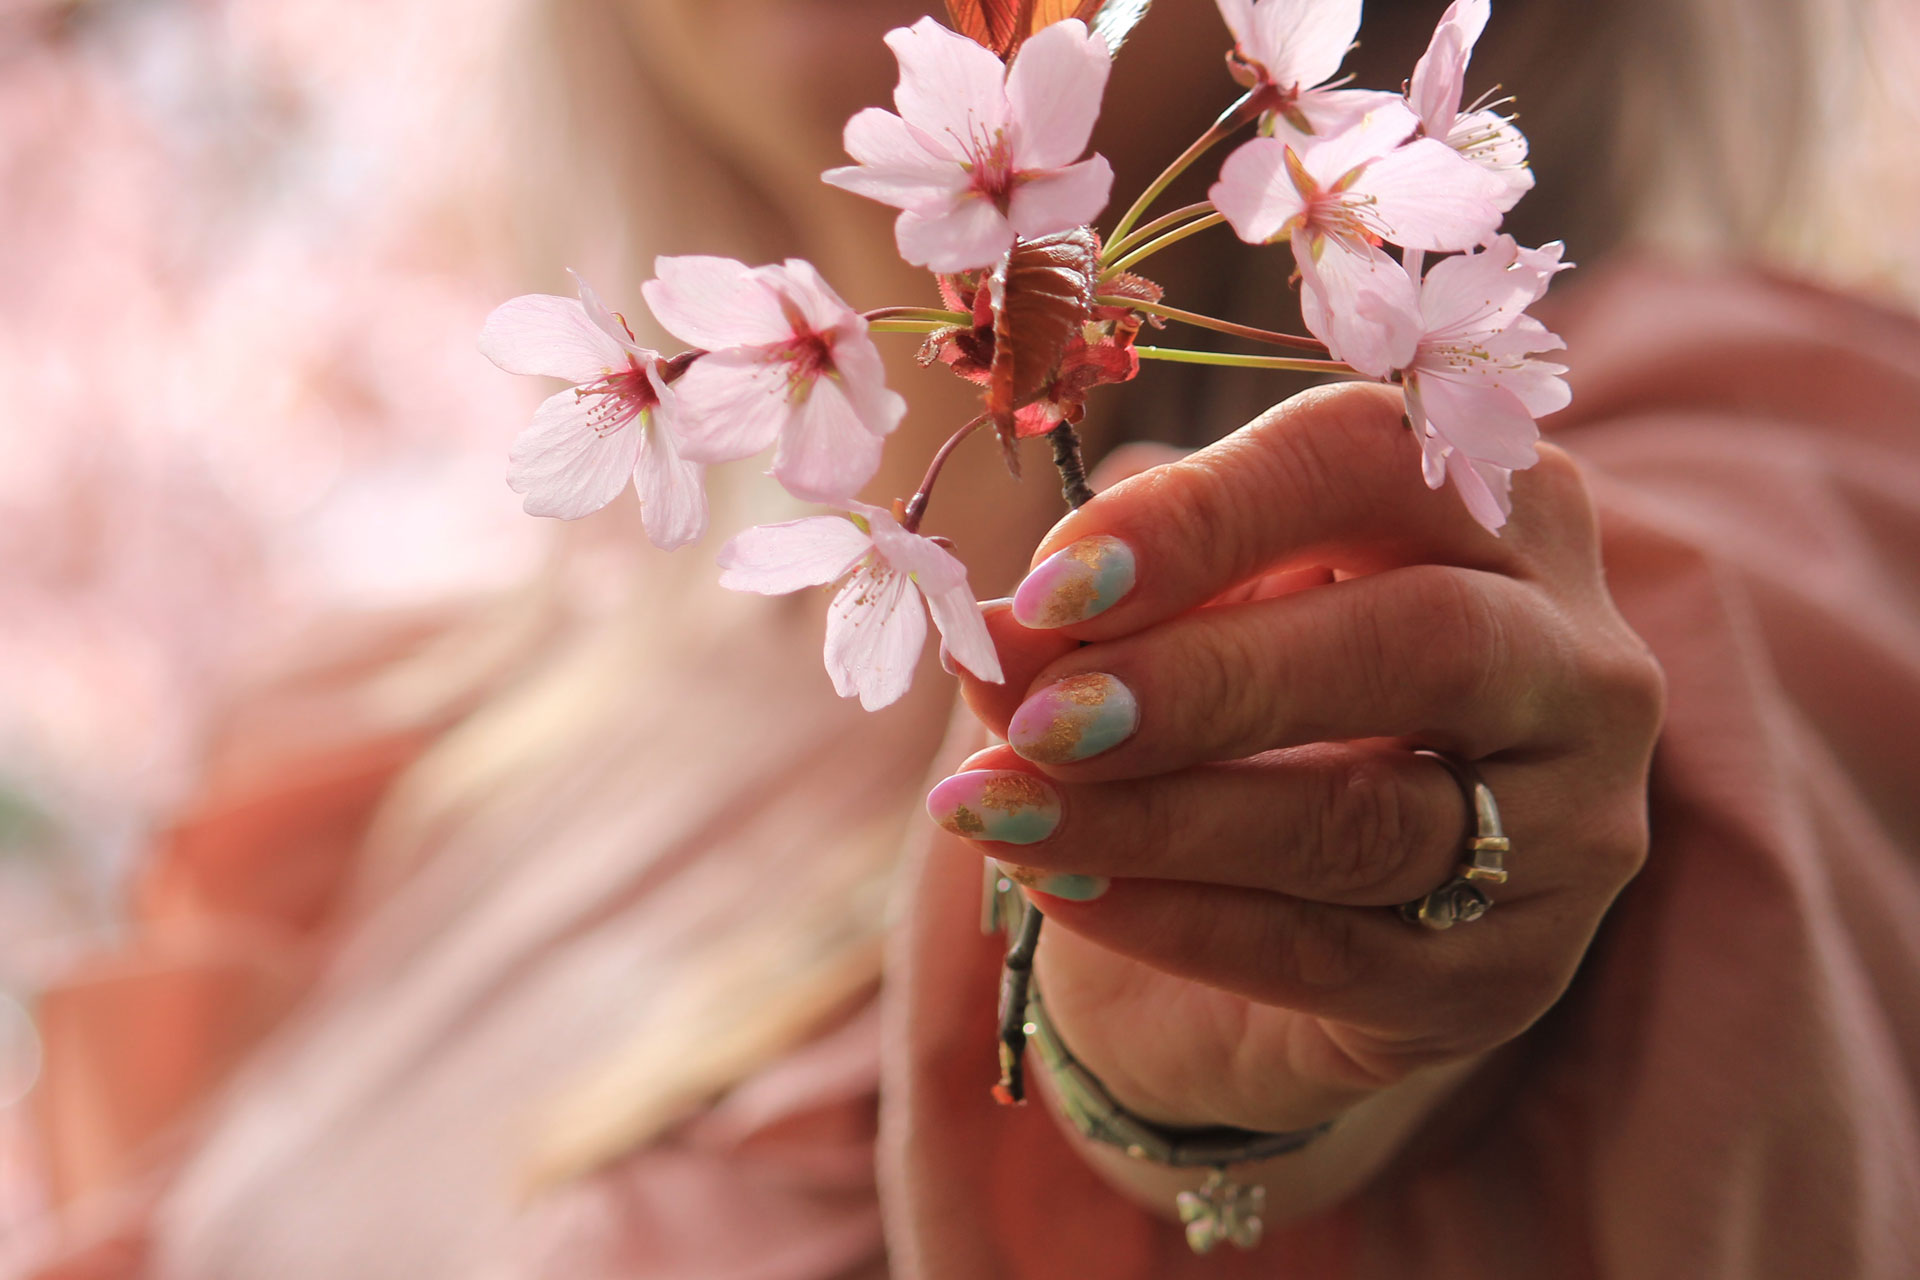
{"x":1003,"y":25}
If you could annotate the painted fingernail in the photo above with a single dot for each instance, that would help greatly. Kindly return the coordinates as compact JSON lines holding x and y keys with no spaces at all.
{"x":1059,"y":884}
{"x":995,"y":804}
{"x":1075,"y":583}
{"x":1074,"y":718}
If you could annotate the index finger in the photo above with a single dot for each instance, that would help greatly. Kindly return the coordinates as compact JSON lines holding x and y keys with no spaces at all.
{"x":1331,"y":477}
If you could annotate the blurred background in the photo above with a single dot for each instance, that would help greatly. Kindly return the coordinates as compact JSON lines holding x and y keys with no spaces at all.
{"x":245,"y":246}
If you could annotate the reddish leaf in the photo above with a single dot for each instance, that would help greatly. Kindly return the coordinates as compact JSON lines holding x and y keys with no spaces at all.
{"x":1003,"y":25}
{"x":1042,"y":296}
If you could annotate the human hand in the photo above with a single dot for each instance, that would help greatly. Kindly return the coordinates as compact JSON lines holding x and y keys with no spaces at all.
{"x":1302,"y":613}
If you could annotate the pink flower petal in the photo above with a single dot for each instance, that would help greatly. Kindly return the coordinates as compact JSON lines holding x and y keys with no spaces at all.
{"x":774,"y":559}
{"x":826,"y":453}
{"x":1301,"y":42}
{"x":1484,"y":487}
{"x":732,"y":404}
{"x":1439,"y":76}
{"x":604,"y":320}
{"x":1485,"y":422}
{"x":1495,"y":144}
{"x":802,"y":285}
{"x":1053,"y":95}
{"x":673,"y":496}
{"x":540,"y":333}
{"x":862,"y":377}
{"x":949,"y":85}
{"x":894,"y":167}
{"x":1363,"y":306}
{"x":564,"y":466}
{"x":876,"y":629}
{"x":1431,"y":197}
{"x":1059,"y":200}
{"x":713,"y":303}
{"x":964,"y":632}
{"x":1254,"y":193}
{"x":971,"y":233}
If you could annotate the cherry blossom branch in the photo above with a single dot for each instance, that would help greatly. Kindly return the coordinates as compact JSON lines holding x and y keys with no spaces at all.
{"x":917,"y":505}
{"x":1219,"y":326}
{"x":1165,"y":222}
{"x":909,"y":326}
{"x":1152,"y":247}
{"x":1177,"y":355}
{"x":1240,"y":113}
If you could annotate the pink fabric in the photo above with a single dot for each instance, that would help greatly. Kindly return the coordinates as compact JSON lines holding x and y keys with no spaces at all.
{"x":1730,"y":1088}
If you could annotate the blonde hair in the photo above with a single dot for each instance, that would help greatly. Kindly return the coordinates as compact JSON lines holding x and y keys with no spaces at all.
{"x":1690,"y":106}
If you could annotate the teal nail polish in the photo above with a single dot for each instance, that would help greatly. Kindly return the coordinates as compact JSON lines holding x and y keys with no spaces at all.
{"x":1058,"y":884}
{"x":1075,"y":583}
{"x":1073,"y":719}
{"x":995,"y":804}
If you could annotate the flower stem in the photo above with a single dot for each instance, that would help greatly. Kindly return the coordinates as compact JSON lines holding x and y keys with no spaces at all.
{"x":917,"y":505}
{"x":1230,"y":120}
{"x":907,"y":326}
{"x":1180,"y":356}
{"x":1165,"y":222}
{"x":1219,"y":326}
{"x":1154,"y":246}
{"x":935,"y":314}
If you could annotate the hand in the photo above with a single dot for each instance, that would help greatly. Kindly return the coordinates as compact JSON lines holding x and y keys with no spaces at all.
{"x":1303,"y":612}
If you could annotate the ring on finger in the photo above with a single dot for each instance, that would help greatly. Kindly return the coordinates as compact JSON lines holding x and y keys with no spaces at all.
{"x":1462,"y":899}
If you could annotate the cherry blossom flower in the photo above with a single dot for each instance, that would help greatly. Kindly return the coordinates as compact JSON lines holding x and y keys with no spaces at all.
{"x":875,"y":626}
{"x":1473,"y":386}
{"x":1484,"y":137}
{"x":1338,"y":201}
{"x":785,"y":359}
{"x":618,"y":421}
{"x":1287,"y":50}
{"x":980,"y":151}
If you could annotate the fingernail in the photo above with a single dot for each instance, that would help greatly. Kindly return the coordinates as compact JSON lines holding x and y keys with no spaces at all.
{"x":1059,"y":884}
{"x":1075,"y":583}
{"x":1074,"y":718}
{"x":995,"y":804}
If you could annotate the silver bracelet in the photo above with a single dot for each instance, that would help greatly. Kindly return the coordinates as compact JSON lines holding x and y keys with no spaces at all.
{"x":1222,"y":1209}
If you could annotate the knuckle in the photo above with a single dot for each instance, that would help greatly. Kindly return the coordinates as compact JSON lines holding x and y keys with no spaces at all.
{"x":1364,"y":831}
{"x":1464,"y":646}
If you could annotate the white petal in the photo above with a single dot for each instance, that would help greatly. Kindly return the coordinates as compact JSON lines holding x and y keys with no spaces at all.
{"x":774,"y":559}
{"x":1496,"y":144}
{"x":968,"y":234}
{"x":1385,"y":126}
{"x":1254,"y":193}
{"x":1434,"y":92}
{"x":714,"y":303}
{"x":826,"y":452}
{"x":541,"y":333}
{"x":1238,"y":15}
{"x":862,"y":378}
{"x":1485,"y":488}
{"x":1053,"y":95}
{"x":732,"y":404}
{"x":564,"y":466}
{"x":1060,"y":199}
{"x":673,"y":496}
{"x":949,"y":85}
{"x":875,"y":631}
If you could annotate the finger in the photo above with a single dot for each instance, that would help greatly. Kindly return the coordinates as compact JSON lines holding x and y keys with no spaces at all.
{"x":1466,"y":662}
{"x":1397,"y":985}
{"x":1361,"y":824}
{"x":1332,"y":477}
{"x":1129,"y":460}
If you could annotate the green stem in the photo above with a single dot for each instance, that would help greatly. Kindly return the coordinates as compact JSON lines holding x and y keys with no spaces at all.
{"x":907,"y":326}
{"x":1164,"y":222}
{"x":1179,"y":356}
{"x":1219,"y":326}
{"x":1230,"y":120}
{"x":1154,"y":246}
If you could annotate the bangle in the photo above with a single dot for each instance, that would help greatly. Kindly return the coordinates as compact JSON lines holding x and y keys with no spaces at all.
{"x":1222,"y":1209}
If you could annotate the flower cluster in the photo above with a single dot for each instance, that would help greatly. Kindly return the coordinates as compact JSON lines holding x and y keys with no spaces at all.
{"x":985,"y":157}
